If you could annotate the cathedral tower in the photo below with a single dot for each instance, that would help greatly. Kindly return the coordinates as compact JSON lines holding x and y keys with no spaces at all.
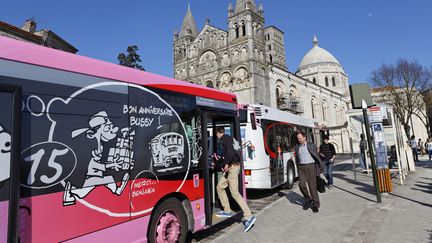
{"x":246,"y":43}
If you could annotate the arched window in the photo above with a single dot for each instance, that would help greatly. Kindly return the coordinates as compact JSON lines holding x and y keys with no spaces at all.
{"x":278,"y":92}
{"x":236,"y":31}
{"x":243,"y":28}
{"x":271,"y":58}
{"x":314,"y":80}
{"x":313,"y":107}
{"x":333,"y":81}
{"x":326,"y":82}
{"x":323,"y":106}
{"x":209,"y":84}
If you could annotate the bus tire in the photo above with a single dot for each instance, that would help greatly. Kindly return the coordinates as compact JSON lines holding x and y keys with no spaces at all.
{"x":169,"y":223}
{"x":290,"y":176}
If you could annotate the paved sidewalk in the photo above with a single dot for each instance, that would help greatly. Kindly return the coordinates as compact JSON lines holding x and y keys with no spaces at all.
{"x":348,"y":213}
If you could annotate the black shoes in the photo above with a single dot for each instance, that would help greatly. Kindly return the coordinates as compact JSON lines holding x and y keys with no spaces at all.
{"x":314,"y":209}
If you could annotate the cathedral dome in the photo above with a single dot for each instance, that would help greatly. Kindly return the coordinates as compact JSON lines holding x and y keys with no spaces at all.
{"x":317,"y":55}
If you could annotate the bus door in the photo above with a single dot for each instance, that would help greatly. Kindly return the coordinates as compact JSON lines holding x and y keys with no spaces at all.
{"x":10,"y":123}
{"x":271,"y":145}
{"x":213,"y":150}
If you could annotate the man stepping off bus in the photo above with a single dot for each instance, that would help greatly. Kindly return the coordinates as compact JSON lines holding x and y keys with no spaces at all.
{"x":230,"y":165}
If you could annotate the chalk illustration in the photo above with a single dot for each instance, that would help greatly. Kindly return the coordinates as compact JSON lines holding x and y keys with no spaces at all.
{"x":193,"y":132}
{"x":5,"y":149}
{"x":119,"y":158}
{"x":167,"y":148}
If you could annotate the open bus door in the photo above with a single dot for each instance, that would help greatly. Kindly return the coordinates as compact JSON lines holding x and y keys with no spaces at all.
{"x":10,"y":135}
{"x":212,"y":120}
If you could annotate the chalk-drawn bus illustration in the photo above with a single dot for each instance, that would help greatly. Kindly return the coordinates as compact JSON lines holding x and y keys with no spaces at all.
{"x":167,"y":148}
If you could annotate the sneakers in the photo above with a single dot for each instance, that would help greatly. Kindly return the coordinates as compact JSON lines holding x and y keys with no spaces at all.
{"x":249,"y":223}
{"x":223,"y":214}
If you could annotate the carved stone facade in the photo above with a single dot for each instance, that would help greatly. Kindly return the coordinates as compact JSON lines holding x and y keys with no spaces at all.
{"x":249,"y":60}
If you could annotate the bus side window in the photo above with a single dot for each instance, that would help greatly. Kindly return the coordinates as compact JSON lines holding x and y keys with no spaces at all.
{"x":253,"y":121}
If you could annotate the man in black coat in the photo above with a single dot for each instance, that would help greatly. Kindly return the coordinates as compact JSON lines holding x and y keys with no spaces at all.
{"x":309,"y":166}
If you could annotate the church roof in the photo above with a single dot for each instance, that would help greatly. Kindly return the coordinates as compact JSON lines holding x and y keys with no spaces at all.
{"x":317,"y":55}
{"x":189,"y":27}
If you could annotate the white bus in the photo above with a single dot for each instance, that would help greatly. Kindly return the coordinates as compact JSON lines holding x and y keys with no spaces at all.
{"x":268,"y":138}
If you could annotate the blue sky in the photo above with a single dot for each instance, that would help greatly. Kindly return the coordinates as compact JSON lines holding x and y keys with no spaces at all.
{"x":361,"y":34}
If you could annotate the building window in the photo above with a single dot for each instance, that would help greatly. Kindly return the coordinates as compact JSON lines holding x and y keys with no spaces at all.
{"x":236,"y":31}
{"x":326,"y":82}
{"x":209,"y":84}
{"x":333,"y":81}
{"x":271,"y":58}
{"x":269,"y":47}
{"x":323,"y":110}
{"x":243,"y":28}
{"x":314,"y":80}
{"x":313,"y":108}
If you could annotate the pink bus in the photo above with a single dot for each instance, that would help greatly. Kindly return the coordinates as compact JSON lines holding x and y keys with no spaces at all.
{"x":76,"y":161}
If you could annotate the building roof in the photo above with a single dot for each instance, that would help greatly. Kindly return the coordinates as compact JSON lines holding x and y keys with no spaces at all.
{"x":317,"y":55}
{"x":20,"y":33}
{"x":189,"y":27}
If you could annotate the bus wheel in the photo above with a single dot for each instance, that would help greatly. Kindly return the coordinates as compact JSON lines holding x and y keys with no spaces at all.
{"x":169,"y":223}
{"x":167,"y":162}
{"x":290,"y":176}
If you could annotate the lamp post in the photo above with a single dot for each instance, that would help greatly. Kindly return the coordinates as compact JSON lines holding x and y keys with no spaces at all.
{"x":374,"y":172}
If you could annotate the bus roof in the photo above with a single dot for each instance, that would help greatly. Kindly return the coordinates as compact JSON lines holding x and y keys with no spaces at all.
{"x":25,"y":52}
{"x":269,"y":113}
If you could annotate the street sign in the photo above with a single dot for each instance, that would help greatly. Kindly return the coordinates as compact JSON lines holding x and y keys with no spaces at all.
{"x":375,"y":114}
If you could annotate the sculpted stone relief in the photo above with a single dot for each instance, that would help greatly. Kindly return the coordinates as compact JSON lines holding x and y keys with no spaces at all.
{"x":208,"y":62}
{"x":239,"y":81}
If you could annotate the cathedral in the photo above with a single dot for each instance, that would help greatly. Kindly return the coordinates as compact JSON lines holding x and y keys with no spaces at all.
{"x":249,"y":59}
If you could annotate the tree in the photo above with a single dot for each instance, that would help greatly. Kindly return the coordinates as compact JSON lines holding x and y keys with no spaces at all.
{"x":402,"y":85}
{"x":132,"y":59}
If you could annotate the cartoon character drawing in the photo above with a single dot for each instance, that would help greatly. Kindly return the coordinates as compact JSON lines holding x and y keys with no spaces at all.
{"x":5,"y":149}
{"x":119,"y":158}
{"x":167,"y":148}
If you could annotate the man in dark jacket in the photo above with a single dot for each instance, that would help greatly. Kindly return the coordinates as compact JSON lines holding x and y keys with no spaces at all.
{"x":230,"y":166}
{"x":328,"y":153}
{"x":309,"y":166}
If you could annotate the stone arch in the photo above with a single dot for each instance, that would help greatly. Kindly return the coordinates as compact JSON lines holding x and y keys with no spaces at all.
{"x":324,"y":109}
{"x":292,"y":91}
{"x":280,"y":89}
{"x":313,"y":105}
{"x":208,"y":60}
{"x":224,"y":80}
{"x":241,"y":78}
{"x":209,"y":84}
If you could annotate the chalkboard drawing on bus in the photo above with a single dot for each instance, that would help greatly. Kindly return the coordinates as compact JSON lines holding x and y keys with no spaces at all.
{"x":119,"y":159}
{"x":167,"y":148}
{"x":194,"y":135}
{"x":5,"y":149}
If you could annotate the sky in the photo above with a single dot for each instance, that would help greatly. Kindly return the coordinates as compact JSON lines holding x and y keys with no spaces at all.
{"x":362,"y":34}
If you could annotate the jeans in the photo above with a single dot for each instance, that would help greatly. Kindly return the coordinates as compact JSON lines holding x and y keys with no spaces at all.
{"x":415,"y":154}
{"x":328,"y":172}
{"x":362,"y":160}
